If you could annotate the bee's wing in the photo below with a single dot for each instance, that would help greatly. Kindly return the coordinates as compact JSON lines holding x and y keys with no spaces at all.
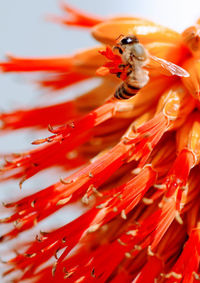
{"x":166,"y":67}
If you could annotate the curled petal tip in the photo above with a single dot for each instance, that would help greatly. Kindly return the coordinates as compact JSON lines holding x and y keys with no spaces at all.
{"x":39,"y":141}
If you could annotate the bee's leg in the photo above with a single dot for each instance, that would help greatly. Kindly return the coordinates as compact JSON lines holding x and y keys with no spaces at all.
{"x":118,"y":48}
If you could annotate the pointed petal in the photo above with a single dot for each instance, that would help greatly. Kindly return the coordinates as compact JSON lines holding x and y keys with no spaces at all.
{"x":109,"y":31}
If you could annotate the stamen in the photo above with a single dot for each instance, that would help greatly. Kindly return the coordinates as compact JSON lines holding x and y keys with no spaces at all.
{"x":121,"y":243}
{"x":132,"y":232}
{"x":136,"y":171}
{"x":123,"y":215}
{"x":147,"y":201}
{"x":54,"y":268}
{"x":178,"y":218}
{"x":149,"y":251}
{"x":64,"y":201}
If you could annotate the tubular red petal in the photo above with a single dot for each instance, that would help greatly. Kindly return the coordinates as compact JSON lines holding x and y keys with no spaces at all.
{"x":75,"y":17}
{"x":69,"y":189}
{"x":81,"y":125}
{"x":71,"y":136}
{"x":126,"y":198}
{"x":57,"y":82}
{"x":148,"y":135}
{"x":186,"y":265}
{"x":18,"y":64}
{"x":41,"y":116}
{"x":28,"y":164}
{"x":150,"y":271}
{"x":84,"y":63}
{"x":179,"y":172}
{"x":192,"y":83}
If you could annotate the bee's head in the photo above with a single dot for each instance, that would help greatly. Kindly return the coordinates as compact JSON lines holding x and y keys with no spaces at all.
{"x":137,"y":49}
{"x":128,"y":40}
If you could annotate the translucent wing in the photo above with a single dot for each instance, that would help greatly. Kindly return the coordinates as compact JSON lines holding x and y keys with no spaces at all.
{"x":167,"y":67}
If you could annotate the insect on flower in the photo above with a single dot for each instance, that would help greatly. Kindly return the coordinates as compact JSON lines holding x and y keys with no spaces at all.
{"x":134,"y":144}
{"x":134,"y":58}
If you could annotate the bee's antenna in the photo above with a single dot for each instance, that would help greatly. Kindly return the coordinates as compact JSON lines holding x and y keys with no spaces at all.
{"x":120,"y":36}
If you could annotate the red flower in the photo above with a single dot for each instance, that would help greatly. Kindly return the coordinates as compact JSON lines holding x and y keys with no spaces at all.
{"x":139,"y":158}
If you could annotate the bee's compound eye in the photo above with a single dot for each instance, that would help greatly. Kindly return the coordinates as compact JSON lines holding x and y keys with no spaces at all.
{"x":139,"y":52}
{"x":128,"y":40}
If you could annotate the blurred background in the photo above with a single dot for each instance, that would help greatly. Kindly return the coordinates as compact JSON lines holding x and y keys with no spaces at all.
{"x":25,"y":31}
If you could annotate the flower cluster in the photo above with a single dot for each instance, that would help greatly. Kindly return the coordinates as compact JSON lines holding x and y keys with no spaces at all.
{"x":136,"y":162}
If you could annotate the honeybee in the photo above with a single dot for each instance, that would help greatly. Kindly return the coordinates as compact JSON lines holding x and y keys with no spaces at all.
{"x":135,"y":58}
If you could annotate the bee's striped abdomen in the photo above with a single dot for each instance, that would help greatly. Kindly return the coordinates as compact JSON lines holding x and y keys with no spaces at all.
{"x":126,"y":91}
